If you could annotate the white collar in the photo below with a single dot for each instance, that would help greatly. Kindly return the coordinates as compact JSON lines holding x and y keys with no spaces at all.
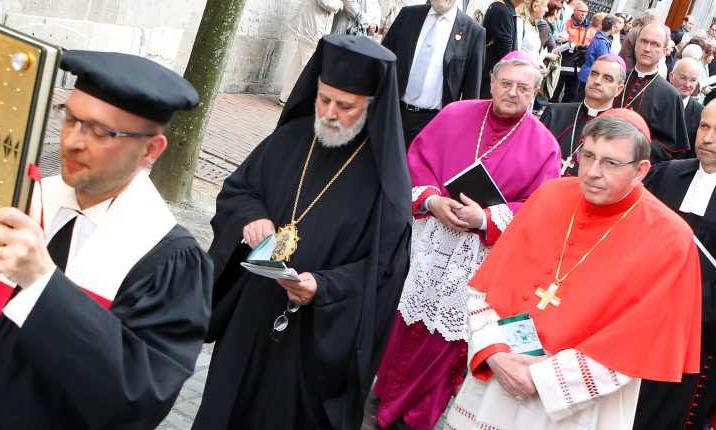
{"x":70,"y":208}
{"x":449,"y":15}
{"x":594,"y":111}
{"x":685,"y":101}
{"x":641,"y":74}
{"x":135,"y":222}
{"x":94,"y":213}
{"x":711,"y":177}
{"x":699,"y":194}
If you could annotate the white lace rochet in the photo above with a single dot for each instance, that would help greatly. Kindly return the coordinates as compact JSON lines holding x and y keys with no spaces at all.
{"x":436,"y":289}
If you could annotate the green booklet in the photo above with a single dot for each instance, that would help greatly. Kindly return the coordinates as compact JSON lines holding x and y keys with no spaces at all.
{"x":521,"y":334}
{"x":259,"y":262}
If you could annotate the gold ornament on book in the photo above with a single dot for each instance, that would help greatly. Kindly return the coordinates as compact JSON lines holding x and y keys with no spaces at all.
{"x":27,"y":76}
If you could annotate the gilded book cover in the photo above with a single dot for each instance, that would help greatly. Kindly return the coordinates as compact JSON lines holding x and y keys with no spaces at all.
{"x":28,"y":68}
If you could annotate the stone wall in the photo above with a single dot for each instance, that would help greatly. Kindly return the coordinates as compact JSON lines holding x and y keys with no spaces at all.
{"x":163,"y":30}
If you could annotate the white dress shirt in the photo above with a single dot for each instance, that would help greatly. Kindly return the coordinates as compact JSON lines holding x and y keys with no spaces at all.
{"x":699,"y":193}
{"x":18,"y":309}
{"x":430,"y":97}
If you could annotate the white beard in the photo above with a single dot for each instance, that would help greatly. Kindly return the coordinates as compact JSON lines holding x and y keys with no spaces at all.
{"x":334,"y":139}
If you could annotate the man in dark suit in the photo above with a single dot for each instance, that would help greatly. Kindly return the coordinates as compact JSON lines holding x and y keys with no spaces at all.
{"x":685,"y":78}
{"x":687,"y":187}
{"x":440,"y":53}
{"x":685,"y":30}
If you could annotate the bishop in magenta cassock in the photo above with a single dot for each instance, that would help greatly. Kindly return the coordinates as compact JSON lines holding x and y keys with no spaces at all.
{"x":611,"y":302}
{"x":424,"y":362}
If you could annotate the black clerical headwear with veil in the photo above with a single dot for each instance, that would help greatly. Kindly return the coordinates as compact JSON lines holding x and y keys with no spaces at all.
{"x":358,"y":65}
{"x":356,"y":243}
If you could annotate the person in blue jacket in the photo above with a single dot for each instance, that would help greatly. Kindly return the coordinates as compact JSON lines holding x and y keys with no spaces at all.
{"x":601,"y":44}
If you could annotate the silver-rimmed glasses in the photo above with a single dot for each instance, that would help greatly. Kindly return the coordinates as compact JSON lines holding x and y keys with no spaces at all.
{"x":280,"y":324}
{"x":95,"y":129}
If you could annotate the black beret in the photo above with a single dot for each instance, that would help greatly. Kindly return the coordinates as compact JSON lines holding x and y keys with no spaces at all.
{"x":131,"y":83}
{"x":354,"y":63}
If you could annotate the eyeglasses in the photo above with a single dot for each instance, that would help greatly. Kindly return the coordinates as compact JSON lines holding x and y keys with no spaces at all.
{"x":280,"y":324}
{"x":686,"y":79}
{"x":650,"y":43}
{"x":522,"y":89}
{"x":94,"y":129}
{"x":610,"y":165}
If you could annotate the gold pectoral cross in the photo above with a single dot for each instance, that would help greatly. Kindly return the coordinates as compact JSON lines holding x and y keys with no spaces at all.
{"x":567,"y":164}
{"x":548,"y":297}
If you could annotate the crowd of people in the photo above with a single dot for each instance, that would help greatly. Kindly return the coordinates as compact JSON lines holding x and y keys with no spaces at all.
{"x":500,"y":220}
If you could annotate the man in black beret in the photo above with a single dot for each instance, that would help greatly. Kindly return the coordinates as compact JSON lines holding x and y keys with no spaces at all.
{"x":332,"y":181}
{"x":110,"y":299}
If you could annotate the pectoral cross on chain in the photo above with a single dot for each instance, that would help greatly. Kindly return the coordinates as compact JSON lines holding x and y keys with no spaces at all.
{"x":567,"y":164}
{"x":548,"y":297}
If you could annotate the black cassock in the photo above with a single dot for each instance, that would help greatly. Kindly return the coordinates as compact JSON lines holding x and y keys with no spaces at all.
{"x":688,"y":404}
{"x":566,"y":121}
{"x":74,"y":365}
{"x":692,"y":113}
{"x":319,"y":373}
{"x":661,"y":107}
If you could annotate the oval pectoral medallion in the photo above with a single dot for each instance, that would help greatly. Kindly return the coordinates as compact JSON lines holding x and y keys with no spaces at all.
{"x":286,"y":243}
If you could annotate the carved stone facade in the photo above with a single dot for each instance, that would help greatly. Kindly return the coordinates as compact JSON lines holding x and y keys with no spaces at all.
{"x":163,"y":30}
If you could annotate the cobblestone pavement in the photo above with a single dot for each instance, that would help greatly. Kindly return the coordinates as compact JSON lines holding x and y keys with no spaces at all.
{"x":237,"y":124}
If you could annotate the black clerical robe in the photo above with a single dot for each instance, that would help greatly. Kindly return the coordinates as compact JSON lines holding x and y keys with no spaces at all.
{"x":689,"y":404}
{"x":319,"y":372}
{"x":500,"y":38}
{"x":74,"y":365}
{"x":661,"y":107}
{"x":566,"y":121}
{"x":692,"y":114}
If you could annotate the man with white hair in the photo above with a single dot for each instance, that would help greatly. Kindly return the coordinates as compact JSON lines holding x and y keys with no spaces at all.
{"x":685,"y":78}
{"x":452,"y":234}
{"x":331,"y":184}
{"x":650,"y":95}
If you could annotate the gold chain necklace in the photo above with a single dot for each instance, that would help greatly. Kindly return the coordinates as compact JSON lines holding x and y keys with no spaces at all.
{"x":479,"y":157}
{"x":549,"y":296}
{"x":287,"y":236}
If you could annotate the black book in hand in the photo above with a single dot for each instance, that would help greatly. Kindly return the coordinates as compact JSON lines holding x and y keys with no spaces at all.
{"x":476,"y":183}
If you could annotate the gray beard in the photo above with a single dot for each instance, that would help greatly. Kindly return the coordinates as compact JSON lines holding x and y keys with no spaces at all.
{"x":344,"y":135}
